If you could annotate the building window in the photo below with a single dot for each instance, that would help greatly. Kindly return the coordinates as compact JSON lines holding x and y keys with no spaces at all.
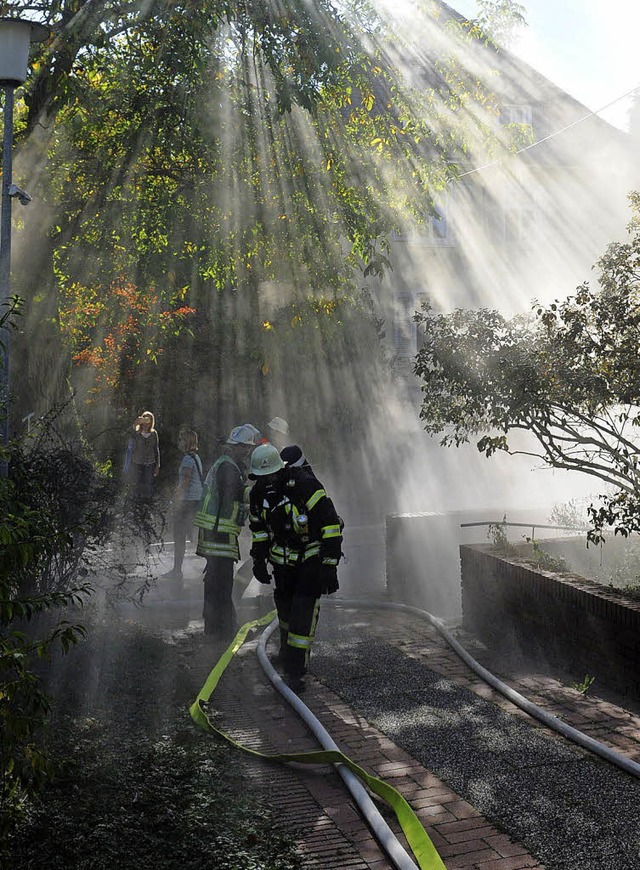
{"x":406,"y":334}
{"x":439,"y":231}
{"x":516,"y":115}
{"x":435,"y":231}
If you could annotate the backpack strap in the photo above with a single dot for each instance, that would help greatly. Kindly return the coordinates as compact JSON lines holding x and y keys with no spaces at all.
{"x":198,"y":464}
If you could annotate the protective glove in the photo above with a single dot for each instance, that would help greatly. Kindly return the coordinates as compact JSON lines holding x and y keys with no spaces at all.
{"x":261,"y":572}
{"x":329,"y":579}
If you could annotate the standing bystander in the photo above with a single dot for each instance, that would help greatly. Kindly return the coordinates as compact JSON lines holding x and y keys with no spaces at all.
{"x":145,"y":456}
{"x":186,"y":499}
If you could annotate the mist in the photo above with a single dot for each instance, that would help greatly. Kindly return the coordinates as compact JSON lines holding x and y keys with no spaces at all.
{"x":280,"y":323}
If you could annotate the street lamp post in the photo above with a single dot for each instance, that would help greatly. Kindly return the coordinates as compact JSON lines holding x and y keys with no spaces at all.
{"x":16,"y":35}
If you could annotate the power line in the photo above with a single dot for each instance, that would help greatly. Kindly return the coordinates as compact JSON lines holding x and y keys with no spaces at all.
{"x":556,"y":133}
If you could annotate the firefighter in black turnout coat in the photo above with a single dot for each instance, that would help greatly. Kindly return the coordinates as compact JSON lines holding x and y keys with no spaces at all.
{"x":296,"y":530}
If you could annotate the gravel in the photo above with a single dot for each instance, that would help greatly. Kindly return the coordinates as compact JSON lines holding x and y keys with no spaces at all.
{"x":572,"y":811}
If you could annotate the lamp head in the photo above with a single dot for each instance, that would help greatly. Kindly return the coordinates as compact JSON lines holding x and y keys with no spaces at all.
{"x":18,"y":192}
{"x":16,"y":35}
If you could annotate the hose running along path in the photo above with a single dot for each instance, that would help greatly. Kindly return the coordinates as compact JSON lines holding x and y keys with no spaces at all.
{"x":417,"y":838}
{"x":548,"y":719}
{"x":382,"y":832}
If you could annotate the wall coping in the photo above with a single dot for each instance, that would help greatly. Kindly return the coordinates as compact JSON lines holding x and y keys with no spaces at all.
{"x":589,"y":588}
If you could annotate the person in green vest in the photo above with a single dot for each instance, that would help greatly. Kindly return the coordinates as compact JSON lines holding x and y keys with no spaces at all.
{"x":220,"y":517}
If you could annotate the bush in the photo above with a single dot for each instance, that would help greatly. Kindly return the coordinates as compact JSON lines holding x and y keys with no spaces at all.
{"x":55,"y":510}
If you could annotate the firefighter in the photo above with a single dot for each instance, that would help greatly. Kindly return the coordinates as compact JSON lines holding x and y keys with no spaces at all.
{"x":220,"y":518}
{"x":295,"y":530}
{"x":293,"y":457}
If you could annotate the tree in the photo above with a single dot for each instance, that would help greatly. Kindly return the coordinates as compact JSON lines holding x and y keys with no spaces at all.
{"x":203,"y":154}
{"x":569,"y":374}
{"x":500,"y":18}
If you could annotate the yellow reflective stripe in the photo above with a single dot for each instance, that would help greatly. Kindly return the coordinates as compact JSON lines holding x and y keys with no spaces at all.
{"x":315,"y":498}
{"x":331,"y":531}
{"x":227,"y":527}
{"x":299,"y":641}
{"x":276,"y":552}
{"x":259,"y":536}
{"x":311,"y":551}
{"x":283,"y":555}
{"x":329,"y":561}
{"x":205,"y":521}
{"x":227,"y":551}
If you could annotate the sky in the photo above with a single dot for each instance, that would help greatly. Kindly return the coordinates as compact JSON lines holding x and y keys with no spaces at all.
{"x":589,"y":48}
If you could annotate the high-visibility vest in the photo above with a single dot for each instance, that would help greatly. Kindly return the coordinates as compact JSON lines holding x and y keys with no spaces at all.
{"x":218,"y":535}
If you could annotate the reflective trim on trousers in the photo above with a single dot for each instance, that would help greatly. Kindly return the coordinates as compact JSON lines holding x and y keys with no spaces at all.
{"x":299,"y":641}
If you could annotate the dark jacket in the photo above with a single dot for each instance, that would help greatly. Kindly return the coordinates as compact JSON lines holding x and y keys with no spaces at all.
{"x":292,"y":520}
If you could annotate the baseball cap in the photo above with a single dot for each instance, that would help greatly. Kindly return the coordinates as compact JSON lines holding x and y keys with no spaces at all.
{"x":245,"y":434}
{"x":279,"y":425}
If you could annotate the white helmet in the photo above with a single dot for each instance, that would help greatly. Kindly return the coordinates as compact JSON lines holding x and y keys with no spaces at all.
{"x":245,"y":434}
{"x":279,"y":425}
{"x":265,"y":459}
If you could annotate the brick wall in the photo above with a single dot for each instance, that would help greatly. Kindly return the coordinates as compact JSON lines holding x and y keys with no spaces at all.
{"x":573,"y":624}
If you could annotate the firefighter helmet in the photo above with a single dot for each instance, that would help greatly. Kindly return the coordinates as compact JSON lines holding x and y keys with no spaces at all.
{"x":245,"y":434}
{"x":265,"y":459}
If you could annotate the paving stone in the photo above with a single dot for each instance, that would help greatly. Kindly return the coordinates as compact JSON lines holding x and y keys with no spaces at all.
{"x":459,"y":818}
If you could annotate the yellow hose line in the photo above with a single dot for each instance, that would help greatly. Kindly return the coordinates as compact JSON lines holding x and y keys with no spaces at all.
{"x":418,"y":839}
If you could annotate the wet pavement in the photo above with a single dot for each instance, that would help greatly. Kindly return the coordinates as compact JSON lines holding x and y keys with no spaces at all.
{"x":493,"y":788}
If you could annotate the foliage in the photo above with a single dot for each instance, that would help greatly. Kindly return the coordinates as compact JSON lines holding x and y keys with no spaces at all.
{"x":34,"y":538}
{"x":545,"y":561}
{"x":621,"y":571}
{"x":199,"y":154}
{"x":500,"y":18}
{"x":137,"y":321}
{"x":569,"y":374}
{"x":584,"y":685}
{"x":137,"y":783}
{"x":534,"y":554}
{"x":497,"y":534}
{"x":122,"y":90}
{"x":56,"y":515}
{"x":571,"y":515}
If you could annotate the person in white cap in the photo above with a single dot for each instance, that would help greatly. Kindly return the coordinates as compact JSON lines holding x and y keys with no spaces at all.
{"x":278,"y":432}
{"x":220,"y":517}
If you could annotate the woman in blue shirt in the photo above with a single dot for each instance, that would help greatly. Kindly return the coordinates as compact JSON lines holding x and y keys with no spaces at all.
{"x":186,"y":499}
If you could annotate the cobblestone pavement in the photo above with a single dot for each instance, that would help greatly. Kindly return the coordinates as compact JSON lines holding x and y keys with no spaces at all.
{"x":320,"y":811}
